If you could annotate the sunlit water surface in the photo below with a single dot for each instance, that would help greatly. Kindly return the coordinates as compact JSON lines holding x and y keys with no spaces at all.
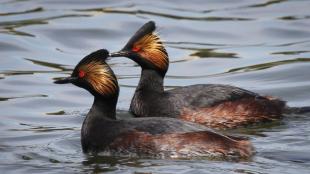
{"x":260,"y":45}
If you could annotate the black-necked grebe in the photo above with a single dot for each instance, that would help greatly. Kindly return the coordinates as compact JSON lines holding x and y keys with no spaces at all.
{"x":146,"y":137}
{"x":214,"y":105}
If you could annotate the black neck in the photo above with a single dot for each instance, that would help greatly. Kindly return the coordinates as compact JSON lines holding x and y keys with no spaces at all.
{"x":151,"y":80}
{"x":104,"y":107}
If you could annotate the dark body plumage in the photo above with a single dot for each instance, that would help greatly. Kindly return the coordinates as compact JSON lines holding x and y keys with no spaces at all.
{"x":159,"y":138}
{"x":142,"y":137}
{"x":214,"y":105}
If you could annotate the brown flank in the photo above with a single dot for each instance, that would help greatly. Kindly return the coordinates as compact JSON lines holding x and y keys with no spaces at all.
{"x":232,"y":114}
{"x":182,"y":145}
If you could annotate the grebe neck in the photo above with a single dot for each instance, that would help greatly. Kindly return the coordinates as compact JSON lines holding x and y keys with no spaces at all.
{"x":104,"y":107}
{"x":151,"y":80}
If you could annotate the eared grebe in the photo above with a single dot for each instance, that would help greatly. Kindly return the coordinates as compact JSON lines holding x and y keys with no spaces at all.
{"x":143,"y":137}
{"x":214,"y":105}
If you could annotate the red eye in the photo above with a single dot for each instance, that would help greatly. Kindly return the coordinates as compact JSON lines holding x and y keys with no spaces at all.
{"x":81,"y":73}
{"x":136,"y":49}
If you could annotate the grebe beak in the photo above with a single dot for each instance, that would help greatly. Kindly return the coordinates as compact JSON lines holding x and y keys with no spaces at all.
{"x":65,"y":80}
{"x":120,"y":54}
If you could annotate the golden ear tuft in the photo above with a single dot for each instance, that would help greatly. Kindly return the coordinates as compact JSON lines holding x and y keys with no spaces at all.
{"x":99,"y":76}
{"x":151,"y":48}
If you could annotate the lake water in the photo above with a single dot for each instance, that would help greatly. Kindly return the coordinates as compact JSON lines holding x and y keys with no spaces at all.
{"x":260,"y":45}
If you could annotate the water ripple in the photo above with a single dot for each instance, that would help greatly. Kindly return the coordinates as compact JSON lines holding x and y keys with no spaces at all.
{"x":165,"y":15}
{"x":34,"y":10}
{"x":261,"y":46}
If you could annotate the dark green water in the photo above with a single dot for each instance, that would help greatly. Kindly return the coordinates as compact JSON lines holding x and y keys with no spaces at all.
{"x":260,"y":45}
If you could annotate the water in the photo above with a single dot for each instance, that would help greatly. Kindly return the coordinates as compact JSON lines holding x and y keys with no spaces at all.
{"x":258,"y":45}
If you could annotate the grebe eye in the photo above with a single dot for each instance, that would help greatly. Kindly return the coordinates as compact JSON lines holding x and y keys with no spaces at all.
{"x":81,"y":73}
{"x":136,"y":49}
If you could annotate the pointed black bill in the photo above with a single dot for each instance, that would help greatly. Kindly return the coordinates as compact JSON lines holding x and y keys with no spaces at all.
{"x":120,"y":54}
{"x":65,"y":80}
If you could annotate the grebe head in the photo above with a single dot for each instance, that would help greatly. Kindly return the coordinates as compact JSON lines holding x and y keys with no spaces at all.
{"x":93,"y":74}
{"x":146,"y":48}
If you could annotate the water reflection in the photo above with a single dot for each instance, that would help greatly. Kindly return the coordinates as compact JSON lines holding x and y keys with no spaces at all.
{"x":26,"y":96}
{"x":49,"y":65}
{"x":291,"y":52}
{"x":294,"y":17}
{"x":62,"y":112}
{"x":38,"y":129}
{"x":171,"y":16}
{"x":97,"y":163}
{"x":268,"y":3}
{"x":268,"y":65}
{"x":38,"y":9}
{"x":36,"y":21}
{"x":10,"y":27}
{"x":210,"y":53}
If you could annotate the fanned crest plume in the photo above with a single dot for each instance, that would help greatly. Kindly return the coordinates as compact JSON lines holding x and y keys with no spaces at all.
{"x":99,"y":76}
{"x":151,"y":48}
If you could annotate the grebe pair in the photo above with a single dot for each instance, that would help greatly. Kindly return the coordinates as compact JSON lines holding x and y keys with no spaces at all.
{"x":157,"y":135}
